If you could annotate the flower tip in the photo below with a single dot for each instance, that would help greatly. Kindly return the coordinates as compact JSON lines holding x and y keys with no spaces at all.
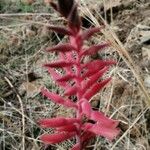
{"x":54,"y":5}
{"x":115,"y":123}
{"x":44,"y":138}
{"x":44,"y":65}
{"x":38,"y":122}
{"x":42,"y":89}
{"x":114,"y":135}
{"x":41,"y":123}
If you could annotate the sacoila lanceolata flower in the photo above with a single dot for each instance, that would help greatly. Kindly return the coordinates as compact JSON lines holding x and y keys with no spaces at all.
{"x":81,"y":81}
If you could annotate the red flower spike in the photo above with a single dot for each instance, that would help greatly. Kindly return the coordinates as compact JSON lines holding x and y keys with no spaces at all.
{"x":61,"y":48}
{"x":80,"y":81}
{"x":57,"y":137}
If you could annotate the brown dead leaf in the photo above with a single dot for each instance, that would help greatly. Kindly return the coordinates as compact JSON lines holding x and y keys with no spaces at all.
{"x":31,"y":88}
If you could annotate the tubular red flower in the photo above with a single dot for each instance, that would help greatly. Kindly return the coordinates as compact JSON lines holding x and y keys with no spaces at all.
{"x":59,"y":64}
{"x":58,"y":99}
{"x":94,"y":78}
{"x":95,"y":88}
{"x":57,"y":137}
{"x":109,"y":133}
{"x":61,"y":47}
{"x":102,"y":119}
{"x":57,"y":122}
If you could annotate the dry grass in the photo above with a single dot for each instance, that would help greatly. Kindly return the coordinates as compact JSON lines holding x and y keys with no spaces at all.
{"x":23,"y":37}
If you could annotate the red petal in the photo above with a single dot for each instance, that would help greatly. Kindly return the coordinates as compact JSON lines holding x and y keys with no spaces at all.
{"x":61,"y":47}
{"x":57,"y":122}
{"x":95,"y":88}
{"x":94,"y":49}
{"x":109,"y":133}
{"x":57,"y":99}
{"x":57,"y":137}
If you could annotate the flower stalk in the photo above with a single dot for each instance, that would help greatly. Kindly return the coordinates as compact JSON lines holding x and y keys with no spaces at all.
{"x":81,"y":80}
